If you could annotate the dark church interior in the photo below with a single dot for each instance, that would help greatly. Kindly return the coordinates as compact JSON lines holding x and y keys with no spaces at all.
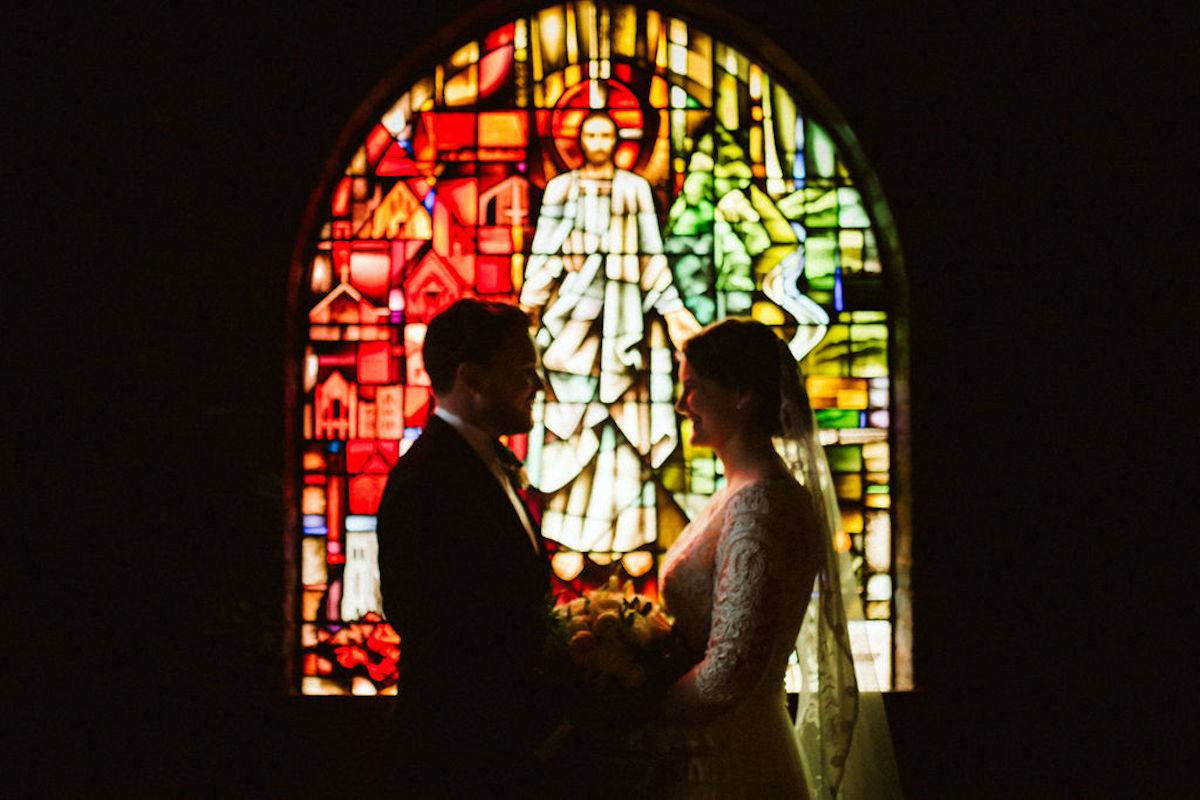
{"x":171,"y":151}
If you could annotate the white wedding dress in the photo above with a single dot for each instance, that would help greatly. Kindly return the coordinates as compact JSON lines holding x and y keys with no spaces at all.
{"x":738,"y":581}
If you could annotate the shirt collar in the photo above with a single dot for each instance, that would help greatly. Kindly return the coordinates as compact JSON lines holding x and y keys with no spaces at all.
{"x":480,"y":442}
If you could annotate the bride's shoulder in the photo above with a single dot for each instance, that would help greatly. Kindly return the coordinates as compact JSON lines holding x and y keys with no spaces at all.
{"x":775,"y":487}
{"x":771,"y":496}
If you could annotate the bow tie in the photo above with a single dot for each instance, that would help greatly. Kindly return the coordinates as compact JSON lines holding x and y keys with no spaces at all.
{"x":511,"y":465}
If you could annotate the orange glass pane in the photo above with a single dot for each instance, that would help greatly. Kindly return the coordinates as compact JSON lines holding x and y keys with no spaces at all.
{"x":495,"y":239}
{"x":503,"y":129}
{"x":416,"y":406}
{"x":369,"y":273}
{"x":340,"y":206}
{"x":825,"y":391}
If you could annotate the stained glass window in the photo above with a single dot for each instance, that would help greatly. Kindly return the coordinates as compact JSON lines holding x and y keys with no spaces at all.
{"x":625,"y":176}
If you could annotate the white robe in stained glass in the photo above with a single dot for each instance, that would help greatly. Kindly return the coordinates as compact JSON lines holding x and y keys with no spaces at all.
{"x":596,"y":277}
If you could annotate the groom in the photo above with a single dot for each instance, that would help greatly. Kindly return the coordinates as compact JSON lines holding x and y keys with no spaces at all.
{"x":464,"y":570}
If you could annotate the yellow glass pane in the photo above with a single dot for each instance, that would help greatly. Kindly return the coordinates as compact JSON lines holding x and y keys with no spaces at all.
{"x":825,"y":391}
{"x":567,"y":565}
{"x":313,"y":500}
{"x":623,"y":27}
{"x":462,"y":89}
{"x":468,"y":54}
{"x":768,"y":313}
{"x":876,"y":457}
{"x":310,"y":604}
{"x":637,"y":563}
{"x":878,"y":610}
{"x":848,"y":487}
{"x":852,"y":520}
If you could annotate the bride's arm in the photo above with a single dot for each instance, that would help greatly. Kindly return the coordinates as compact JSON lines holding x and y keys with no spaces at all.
{"x":744,"y":616}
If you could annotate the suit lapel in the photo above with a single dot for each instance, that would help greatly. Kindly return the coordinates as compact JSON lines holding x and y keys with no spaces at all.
{"x":474,"y":472}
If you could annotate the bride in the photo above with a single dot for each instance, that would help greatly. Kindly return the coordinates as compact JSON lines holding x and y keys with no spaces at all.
{"x":753,"y":579}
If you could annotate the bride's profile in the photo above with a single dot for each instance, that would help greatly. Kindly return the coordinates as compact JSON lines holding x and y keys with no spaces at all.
{"x":753,"y":582}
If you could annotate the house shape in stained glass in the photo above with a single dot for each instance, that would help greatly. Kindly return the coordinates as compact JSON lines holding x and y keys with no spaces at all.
{"x":738,"y":191}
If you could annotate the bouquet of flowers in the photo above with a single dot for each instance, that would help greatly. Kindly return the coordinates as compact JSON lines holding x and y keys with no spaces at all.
{"x":619,"y":651}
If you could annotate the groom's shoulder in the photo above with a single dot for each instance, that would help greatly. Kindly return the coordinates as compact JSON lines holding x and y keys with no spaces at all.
{"x":439,"y":445}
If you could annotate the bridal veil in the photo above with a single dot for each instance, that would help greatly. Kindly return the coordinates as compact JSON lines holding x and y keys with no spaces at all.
{"x":841,"y":725}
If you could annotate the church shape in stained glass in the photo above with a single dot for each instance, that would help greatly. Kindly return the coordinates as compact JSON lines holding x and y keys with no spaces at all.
{"x":627,"y":178}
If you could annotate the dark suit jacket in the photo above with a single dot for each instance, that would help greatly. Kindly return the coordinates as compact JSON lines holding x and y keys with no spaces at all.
{"x":465,"y":589}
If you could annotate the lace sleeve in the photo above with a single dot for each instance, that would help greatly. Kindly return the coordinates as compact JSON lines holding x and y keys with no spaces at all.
{"x":749,"y":581}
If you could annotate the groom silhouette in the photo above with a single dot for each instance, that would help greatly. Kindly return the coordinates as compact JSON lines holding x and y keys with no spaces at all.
{"x":464,"y":571}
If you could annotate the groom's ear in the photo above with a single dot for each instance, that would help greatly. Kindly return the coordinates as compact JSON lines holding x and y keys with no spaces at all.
{"x":467,"y":376}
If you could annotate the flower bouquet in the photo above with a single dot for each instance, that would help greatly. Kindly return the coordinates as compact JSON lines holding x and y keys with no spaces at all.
{"x":619,"y":652}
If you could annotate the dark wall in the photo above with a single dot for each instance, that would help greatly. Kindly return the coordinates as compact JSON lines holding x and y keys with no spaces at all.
{"x":170,"y":153}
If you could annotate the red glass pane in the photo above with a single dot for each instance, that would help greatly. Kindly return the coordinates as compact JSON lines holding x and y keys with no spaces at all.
{"x":493,"y":274}
{"x":424,"y":138}
{"x":461,"y":197}
{"x":375,"y":362}
{"x":432,"y":286}
{"x":365,"y":493}
{"x":396,"y":161}
{"x":377,"y":142}
{"x":333,"y":519}
{"x":519,"y":444}
{"x":502,"y":35}
{"x":493,"y":69}
{"x":455,"y":131}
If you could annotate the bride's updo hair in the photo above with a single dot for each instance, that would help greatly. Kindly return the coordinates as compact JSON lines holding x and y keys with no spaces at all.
{"x":745,"y":355}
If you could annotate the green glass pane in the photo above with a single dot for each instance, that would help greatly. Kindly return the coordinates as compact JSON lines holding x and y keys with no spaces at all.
{"x":673,"y":477}
{"x":820,"y":208}
{"x":820,"y":260}
{"x":851,"y":213}
{"x":830,"y":418}
{"x":864,"y":316}
{"x":754,"y":202}
{"x":844,"y":458}
{"x":703,"y":476}
{"x":822,"y":157}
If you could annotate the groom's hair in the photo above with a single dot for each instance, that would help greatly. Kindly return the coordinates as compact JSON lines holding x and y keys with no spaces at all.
{"x":468,"y":331}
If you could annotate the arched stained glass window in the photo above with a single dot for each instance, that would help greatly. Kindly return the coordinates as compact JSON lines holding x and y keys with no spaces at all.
{"x":625,"y":175}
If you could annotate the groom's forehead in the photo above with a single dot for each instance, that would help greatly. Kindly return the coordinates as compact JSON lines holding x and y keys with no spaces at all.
{"x":517,"y":349}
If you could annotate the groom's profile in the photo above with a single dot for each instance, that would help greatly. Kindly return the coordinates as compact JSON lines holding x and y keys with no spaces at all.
{"x":464,"y":570}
